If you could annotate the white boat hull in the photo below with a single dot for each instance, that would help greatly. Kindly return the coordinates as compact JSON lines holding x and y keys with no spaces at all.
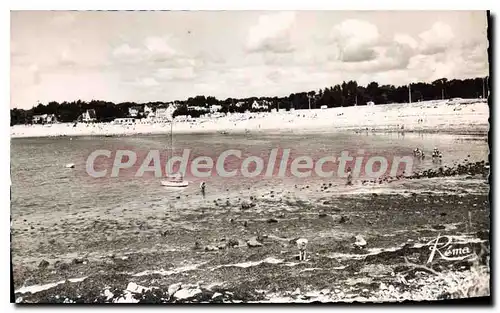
{"x":175,"y":184}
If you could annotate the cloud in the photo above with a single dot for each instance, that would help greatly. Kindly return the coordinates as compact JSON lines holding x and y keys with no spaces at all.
{"x":125,"y":51}
{"x":437,"y":39}
{"x":147,"y":82}
{"x":158,"y":49}
{"x":354,"y":40}
{"x":351,"y":54}
{"x":152,"y":49}
{"x":66,"y":59}
{"x":272,"y":33}
{"x":402,"y":48}
{"x":183,"y":73}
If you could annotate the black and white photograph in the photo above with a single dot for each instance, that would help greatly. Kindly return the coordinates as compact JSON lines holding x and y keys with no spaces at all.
{"x":250,"y":156}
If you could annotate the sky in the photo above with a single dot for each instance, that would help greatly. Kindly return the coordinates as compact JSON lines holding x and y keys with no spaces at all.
{"x":146,"y":56}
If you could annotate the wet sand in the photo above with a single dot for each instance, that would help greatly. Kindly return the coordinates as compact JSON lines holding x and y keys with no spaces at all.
{"x":242,"y":249}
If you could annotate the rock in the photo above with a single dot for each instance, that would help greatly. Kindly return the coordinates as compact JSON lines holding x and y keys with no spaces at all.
{"x":61,"y":265}
{"x":247,"y":205}
{"x":222,"y":246}
{"x":196,"y":246}
{"x":133,"y":287}
{"x":360,"y":241}
{"x":211,"y":248}
{"x":232,"y":243}
{"x":382,"y":286}
{"x":272,"y":220}
{"x":172,"y":289}
{"x":322,"y":215}
{"x":254,"y":243}
{"x":43,"y":264}
{"x":216,"y":295}
{"x":438,"y":227}
{"x":296,"y":292}
{"x":187,"y":294}
{"x":325,"y":291}
{"x":484,"y":235}
{"x":342,"y":220}
{"x":77,"y":261}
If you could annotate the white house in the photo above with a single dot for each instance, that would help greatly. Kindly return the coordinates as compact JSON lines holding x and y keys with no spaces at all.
{"x":133,"y":111}
{"x":148,"y":110}
{"x":239,"y":104}
{"x":44,"y":118}
{"x":324,"y":107}
{"x":89,"y":116}
{"x":165,"y":114}
{"x":124,"y":121}
{"x":214,"y":108}
{"x":259,"y":106}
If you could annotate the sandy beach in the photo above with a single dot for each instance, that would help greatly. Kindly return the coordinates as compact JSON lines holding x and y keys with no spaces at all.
{"x":459,"y":115}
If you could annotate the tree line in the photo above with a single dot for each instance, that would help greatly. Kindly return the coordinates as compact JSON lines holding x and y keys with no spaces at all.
{"x":341,"y":95}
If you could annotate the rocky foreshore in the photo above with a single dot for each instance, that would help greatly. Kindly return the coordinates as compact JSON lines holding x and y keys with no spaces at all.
{"x":245,"y":249}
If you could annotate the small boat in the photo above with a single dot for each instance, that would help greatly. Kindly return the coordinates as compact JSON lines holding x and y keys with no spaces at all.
{"x":176,"y":180}
{"x":174,"y":184}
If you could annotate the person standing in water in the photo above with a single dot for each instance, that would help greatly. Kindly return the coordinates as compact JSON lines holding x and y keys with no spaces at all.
{"x":202,"y":187}
{"x":349,"y":177}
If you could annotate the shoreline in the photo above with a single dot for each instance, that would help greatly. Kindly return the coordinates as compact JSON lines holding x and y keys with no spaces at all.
{"x":459,"y":117}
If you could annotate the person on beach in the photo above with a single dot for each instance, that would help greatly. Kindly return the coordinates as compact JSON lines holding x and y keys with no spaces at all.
{"x":437,"y":156}
{"x":202,"y":187}
{"x":349,"y":177}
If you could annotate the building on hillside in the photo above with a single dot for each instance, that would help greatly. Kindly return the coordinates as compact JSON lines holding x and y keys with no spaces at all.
{"x":165,"y":114}
{"x":214,"y":108}
{"x":88,"y":116}
{"x":133,"y":111}
{"x":323,"y":107}
{"x":263,"y":105}
{"x":150,"y":115}
{"x":124,"y":121}
{"x":44,"y":119}
{"x":148,"y":110}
